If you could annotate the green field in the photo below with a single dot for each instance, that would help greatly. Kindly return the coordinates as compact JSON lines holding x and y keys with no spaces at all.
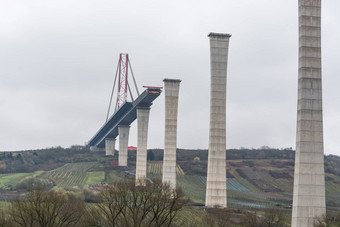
{"x":112,"y":176}
{"x":95,"y":177}
{"x":8,"y":181}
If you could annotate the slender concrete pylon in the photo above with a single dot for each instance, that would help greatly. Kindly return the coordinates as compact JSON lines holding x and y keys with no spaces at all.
{"x":171,"y":90}
{"x":216,"y":191}
{"x":142,"y":130}
{"x":110,"y":146}
{"x":123,"y":131}
{"x":309,"y":179}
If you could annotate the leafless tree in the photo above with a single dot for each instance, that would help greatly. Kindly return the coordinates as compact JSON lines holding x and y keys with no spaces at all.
{"x":125,"y":204}
{"x":166,"y":203}
{"x":121,"y":204}
{"x":251,"y":219}
{"x":5,"y":219}
{"x":218,"y":217}
{"x":111,"y":206}
{"x":327,"y":221}
{"x":47,"y":209}
{"x":273,"y":218}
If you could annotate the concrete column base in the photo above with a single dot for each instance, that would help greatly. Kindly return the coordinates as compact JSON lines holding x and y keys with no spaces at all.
{"x":96,"y":149}
{"x":142,"y":134}
{"x":123,"y":131}
{"x":110,"y":146}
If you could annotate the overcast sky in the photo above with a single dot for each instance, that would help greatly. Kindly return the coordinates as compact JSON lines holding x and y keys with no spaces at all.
{"x":58,"y":60}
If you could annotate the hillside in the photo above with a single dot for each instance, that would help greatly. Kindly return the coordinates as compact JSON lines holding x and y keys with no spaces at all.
{"x":256,"y":178}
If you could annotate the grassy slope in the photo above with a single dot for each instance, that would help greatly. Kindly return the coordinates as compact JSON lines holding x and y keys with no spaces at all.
{"x":8,"y":181}
{"x":95,"y":177}
{"x":264,"y":189}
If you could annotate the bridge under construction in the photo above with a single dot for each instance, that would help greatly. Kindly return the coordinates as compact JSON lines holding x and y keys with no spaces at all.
{"x":309,"y":201}
{"x":118,"y":125}
{"x":125,"y":115}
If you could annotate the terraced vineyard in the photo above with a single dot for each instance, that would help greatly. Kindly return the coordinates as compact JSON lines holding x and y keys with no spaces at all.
{"x":240,"y":196}
{"x":232,"y":184}
{"x":192,"y":187}
{"x":69,"y":175}
{"x":157,"y":168}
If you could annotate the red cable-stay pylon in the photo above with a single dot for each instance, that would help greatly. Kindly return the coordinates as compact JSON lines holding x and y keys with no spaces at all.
{"x":123,"y":84}
{"x":123,"y":79}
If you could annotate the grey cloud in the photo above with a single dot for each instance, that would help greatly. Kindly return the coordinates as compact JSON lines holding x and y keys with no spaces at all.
{"x":59,"y":58}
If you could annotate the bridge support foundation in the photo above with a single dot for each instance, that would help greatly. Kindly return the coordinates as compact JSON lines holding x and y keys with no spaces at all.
{"x":216,"y":189}
{"x":123,"y":131}
{"x":95,"y":149}
{"x":110,"y":146}
{"x":142,"y":135}
{"x":171,"y":91}
{"x":309,"y":177}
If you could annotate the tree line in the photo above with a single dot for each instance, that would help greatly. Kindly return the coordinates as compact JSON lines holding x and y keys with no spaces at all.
{"x":126,"y":204}
{"x":120,"y":204}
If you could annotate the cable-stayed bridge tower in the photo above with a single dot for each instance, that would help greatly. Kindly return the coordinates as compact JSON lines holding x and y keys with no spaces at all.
{"x":125,"y":112}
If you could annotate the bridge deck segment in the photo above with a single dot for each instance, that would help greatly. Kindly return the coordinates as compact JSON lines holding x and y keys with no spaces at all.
{"x":125,"y":115}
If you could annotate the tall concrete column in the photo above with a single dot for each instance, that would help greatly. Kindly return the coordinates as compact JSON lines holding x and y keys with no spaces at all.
{"x":216,"y":191}
{"x":309,"y":179}
{"x":171,"y":90}
{"x":142,"y":140}
{"x":110,"y":146}
{"x":123,"y":131}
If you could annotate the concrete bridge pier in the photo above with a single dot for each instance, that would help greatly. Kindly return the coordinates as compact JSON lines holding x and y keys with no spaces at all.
{"x":216,"y":189}
{"x":309,"y":200}
{"x":110,"y":146}
{"x":142,"y":139}
{"x":123,"y":131}
{"x":171,"y":91}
